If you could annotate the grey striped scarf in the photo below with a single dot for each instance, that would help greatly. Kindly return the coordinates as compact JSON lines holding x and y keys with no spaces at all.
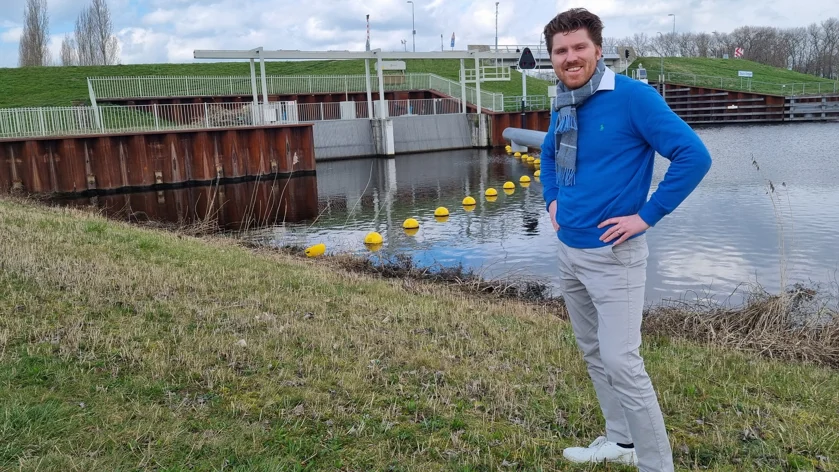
{"x":566,"y":102}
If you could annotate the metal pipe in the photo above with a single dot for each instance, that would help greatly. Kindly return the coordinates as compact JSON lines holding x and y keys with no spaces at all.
{"x":524,"y":137}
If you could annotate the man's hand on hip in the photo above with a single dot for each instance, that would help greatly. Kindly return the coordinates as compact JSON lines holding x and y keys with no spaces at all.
{"x":624,"y":227}
{"x":552,"y":212}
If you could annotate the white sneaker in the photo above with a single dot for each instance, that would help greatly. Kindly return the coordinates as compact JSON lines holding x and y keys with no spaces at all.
{"x":600,"y":451}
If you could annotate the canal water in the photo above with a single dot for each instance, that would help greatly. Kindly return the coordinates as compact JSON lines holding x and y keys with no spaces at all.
{"x":767,"y":212}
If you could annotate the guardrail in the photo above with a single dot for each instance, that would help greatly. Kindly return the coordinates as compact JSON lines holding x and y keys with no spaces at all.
{"x":67,"y":121}
{"x":206,"y":86}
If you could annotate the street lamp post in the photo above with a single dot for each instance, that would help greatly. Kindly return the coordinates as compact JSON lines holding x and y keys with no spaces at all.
{"x":413,"y":27}
{"x":674,"y":22}
{"x":496,"y":33}
{"x":661,"y":71}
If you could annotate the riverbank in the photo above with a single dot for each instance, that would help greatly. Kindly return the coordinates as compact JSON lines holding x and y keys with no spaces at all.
{"x":124,"y":347}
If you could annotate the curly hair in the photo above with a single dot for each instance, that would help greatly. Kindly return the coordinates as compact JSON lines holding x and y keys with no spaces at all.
{"x":573,"y":20}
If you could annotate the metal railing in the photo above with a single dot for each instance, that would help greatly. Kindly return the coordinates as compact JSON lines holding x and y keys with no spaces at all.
{"x":309,"y":112}
{"x":66,"y":121}
{"x":488,"y":74}
{"x":188,"y":86}
{"x":531,"y":102}
{"x":743,"y":83}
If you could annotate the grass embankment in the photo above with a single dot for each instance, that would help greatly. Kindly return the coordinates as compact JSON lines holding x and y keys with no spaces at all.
{"x":767,"y":79}
{"x":124,"y":348}
{"x":63,"y":86}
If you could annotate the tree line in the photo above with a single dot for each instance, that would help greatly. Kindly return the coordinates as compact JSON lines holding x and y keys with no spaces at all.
{"x":811,"y":50}
{"x":92,"y":42}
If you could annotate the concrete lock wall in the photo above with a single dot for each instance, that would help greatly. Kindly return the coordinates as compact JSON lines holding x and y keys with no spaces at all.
{"x":431,"y":133}
{"x":343,"y":139}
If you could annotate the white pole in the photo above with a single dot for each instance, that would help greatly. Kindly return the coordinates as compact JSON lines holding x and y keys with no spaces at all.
{"x":462,"y":87}
{"x":264,"y":79}
{"x":478,"y":83}
{"x":96,"y":114}
{"x":381,"y":88}
{"x":256,"y":119}
{"x":369,"y":91}
{"x":523,"y":88}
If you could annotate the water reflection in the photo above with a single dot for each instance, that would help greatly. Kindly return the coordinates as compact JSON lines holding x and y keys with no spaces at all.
{"x":730,"y":231}
{"x":228,"y":207}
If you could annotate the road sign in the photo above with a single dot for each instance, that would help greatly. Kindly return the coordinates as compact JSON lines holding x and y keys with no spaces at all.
{"x":744,"y":73}
{"x":526,"y":60}
{"x":738,"y":52}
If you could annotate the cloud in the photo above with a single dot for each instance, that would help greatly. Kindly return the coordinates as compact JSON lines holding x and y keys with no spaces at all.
{"x":11,"y":35}
{"x":169,"y":30}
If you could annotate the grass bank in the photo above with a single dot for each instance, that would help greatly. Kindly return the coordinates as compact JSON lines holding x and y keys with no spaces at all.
{"x":63,"y":86}
{"x":128,"y":348}
{"x":766,"y":79}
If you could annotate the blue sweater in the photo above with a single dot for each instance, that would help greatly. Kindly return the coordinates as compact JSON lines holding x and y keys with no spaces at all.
{"x":619,"y":132}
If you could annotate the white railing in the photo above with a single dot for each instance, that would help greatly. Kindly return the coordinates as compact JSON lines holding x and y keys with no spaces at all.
{"x":158,"y":87}
{"x":531,"y":102}
{"x":26,"y":122}
{"x":489,"y":100}
{"x":488,"y":74}
{"x":64,"y":121}
{"x":309,"y":112}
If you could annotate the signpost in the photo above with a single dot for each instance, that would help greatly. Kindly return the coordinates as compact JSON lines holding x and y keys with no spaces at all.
{"x":526,"y":62}
{"x":748,"y":74}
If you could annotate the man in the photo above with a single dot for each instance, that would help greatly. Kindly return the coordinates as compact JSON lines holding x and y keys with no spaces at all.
{"x":597,"y":165}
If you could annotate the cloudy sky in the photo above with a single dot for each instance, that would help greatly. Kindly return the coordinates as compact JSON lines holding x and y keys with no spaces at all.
{"x":152,"y":31}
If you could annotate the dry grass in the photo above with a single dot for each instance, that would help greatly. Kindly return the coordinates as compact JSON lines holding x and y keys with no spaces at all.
{"x":124,"y":348}
{"x":793,"y":326}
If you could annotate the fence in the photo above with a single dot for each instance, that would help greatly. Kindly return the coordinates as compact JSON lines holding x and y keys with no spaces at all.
{"x":63,"y":121}
{"x":747,"y":84}
{"x":308,"y":112}
{"x":158,"y":87}
{"x":531,"y":102}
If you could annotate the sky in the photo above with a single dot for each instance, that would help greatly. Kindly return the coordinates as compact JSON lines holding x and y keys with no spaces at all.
{"x":155,"y":31}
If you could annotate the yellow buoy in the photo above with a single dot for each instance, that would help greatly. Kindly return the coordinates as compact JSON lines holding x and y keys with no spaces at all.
{"x":410,"y":223}
{"x":524,"y":157}
{"x":411,"y":231}
{"x":374,"y":247}
{"x":524,"y":179}
{"x":517,"y":155}
{"x":468,"y":207}
{"x":537,"y":173}
{"x":441,"y":211}
{"x":491,"y":192}
{"x":509,"y":185}
{"x":468,"y":201}
{"x":525,"y":184}
{"x":537,"y":161}
{"x":509,"y":191}
{"x":373,"y":238}
{"x":491,"y":198}
{"x":316,"y":250}
{"x":441,"y":219}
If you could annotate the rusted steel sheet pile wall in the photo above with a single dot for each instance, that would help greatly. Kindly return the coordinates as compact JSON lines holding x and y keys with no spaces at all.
{"x":230,"y":207}
{"x":102,"y":163}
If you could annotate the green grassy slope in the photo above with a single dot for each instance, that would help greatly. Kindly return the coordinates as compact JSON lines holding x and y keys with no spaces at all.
{"x":62,"y":86}
{"x":766,"y":79}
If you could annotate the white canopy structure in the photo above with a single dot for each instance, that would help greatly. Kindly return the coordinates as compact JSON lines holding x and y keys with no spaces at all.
{"x":377,"y":54}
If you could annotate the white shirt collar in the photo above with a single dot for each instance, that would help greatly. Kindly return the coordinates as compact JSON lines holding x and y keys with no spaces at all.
{"x":607,"y":82}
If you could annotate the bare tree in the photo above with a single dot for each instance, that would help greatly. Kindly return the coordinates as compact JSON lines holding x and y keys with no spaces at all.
{"x":34,"y":41}
{"x":96,"y":43}
{"x":69,"y":56}
{"x":106,"y":45}
{"x":641,"y":43}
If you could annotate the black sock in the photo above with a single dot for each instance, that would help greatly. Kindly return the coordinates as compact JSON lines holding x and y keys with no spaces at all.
{"x":627,"y":446}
